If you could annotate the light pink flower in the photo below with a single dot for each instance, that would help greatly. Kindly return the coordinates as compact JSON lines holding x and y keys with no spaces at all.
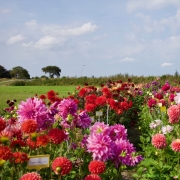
{"x":159,"y":141}
{"x":175,"y":145}
{"x":173,"y":113}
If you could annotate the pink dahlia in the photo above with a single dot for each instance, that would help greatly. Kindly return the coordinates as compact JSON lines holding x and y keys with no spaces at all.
{"x":101,"y":146}
{"x":61,"y":165}
{"x":159,"y":141}
{"x":173,"y":113}
{"x":56,"y":135}
{"x":118,"y":131}
{"x":33,"y":108}
{"x":92,"y":177}
{"x":99,"y":128}
{"x":97,"y":167}
{"x":83,"y":120}
{"x":175,"y":145}
{"x":31,"y":176}
{"x":67,"y":106}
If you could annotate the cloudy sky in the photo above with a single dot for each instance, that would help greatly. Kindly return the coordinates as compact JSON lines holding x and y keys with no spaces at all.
{"x":91,"y":37}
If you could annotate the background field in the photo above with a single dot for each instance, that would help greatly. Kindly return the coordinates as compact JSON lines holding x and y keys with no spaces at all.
{"x":23,"y":92}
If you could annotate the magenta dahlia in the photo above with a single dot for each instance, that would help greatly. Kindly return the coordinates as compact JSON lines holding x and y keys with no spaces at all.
{"x":33,"y":108}
{"x":83,"y":120}
{"x":92,"y":177}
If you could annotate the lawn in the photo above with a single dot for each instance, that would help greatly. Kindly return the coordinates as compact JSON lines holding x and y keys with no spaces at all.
{"x":23,"y":92}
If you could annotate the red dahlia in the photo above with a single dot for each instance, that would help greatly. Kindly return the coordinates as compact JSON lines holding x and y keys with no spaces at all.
{"x":2,"y":124}
{"x":42,"y":140}
{"x":61,"y":165}
{"x":20,"y":157}
{"x":29,"y":126}
{"x":31,"y":176}
{"x":5,"y":153}
{"x":57,"y":135}
{"x":97,"y":167}
{"x":92,"y":177}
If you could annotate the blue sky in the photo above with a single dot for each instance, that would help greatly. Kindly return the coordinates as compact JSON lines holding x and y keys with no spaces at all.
{"x":91,"y":37}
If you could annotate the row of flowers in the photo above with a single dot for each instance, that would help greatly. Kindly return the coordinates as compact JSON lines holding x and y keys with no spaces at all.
{"x":79,"y":146}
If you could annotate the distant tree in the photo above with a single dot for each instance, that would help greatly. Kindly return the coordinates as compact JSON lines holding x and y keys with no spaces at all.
{"x":52,"y":70}
{"x":4,"y":73}
{"x":176,"y":74}
{"x":19,"y":72}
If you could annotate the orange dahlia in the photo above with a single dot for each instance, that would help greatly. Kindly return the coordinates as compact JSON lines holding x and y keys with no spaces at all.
{"x":97,"y":167}
{"x":20,"y":157}
{"x":29,"y":126}
{"x":61,"y":165}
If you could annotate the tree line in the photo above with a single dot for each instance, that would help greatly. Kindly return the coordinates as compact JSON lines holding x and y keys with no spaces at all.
{"x":21,"y":73}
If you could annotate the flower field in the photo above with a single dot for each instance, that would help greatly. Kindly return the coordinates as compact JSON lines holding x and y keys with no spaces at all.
{"x":93,"y":133}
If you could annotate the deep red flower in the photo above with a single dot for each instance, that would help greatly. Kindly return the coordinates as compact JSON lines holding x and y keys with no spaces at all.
{"x":42,"y":140}
{"x":171,"y":97}
{"x":56,"y":135}
{"x":31,"y":143}
{"x":31,"y":176}
{"x":43,"y":97}
{"x":91,"y":98}
{"x":92,"y":177}
{"x":159,"y":141}
{"x":165,"y":87}
{"x":61,"y":165}
{"x":29,"y":126}
{"x":106,"y":92}
{"x":151,"y":102}
{"x":5,"y":153}
{"x":2,"y":124}
{"x":20,"y":157}
{"x":101,"y":101}
{"x":90,"y":107}
{"x":17,"y":144}
{"x":97,"y":167}
{"x":82,"y":92}
{"x":159,"y":96}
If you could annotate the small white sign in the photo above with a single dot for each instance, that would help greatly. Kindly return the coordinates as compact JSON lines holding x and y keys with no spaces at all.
{"x":99,"y":113}
{"x":38,"y":162}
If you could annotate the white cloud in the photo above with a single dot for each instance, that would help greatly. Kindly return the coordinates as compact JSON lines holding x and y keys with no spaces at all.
{"x":31,"y":24}
{"x":57,"y":30}
{"x":45,"y":42}
{"x":127,"y":59}
{"x":5,"y":11}
{"x":167,"y":64}
{"x":133,"y":5}
{"x":15,"y":39}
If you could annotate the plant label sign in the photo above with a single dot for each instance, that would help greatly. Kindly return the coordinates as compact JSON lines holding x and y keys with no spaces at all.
{"x":38,"y":162}
{"x":99,"y":113}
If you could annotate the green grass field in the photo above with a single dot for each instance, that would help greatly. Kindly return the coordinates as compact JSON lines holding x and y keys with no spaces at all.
{"x":21,"y":93}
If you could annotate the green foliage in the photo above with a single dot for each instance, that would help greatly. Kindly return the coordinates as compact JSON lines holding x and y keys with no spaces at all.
{"x":52,"y":70}
{"x":19,"y":73}
{"x":4,"y":73}
{"x":18,"y":83}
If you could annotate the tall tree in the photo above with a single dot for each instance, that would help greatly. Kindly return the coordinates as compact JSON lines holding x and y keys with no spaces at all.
{"x":19,"y":72}
{"x":52,"y":70}
{"x":4,"y":73}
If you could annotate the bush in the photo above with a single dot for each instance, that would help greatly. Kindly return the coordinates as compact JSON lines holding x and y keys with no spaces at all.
{"x":18,"y":83}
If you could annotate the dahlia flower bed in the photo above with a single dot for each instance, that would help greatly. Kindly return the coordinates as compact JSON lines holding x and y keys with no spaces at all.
{"x":84,"y":135}
{"x":159,"y":123}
